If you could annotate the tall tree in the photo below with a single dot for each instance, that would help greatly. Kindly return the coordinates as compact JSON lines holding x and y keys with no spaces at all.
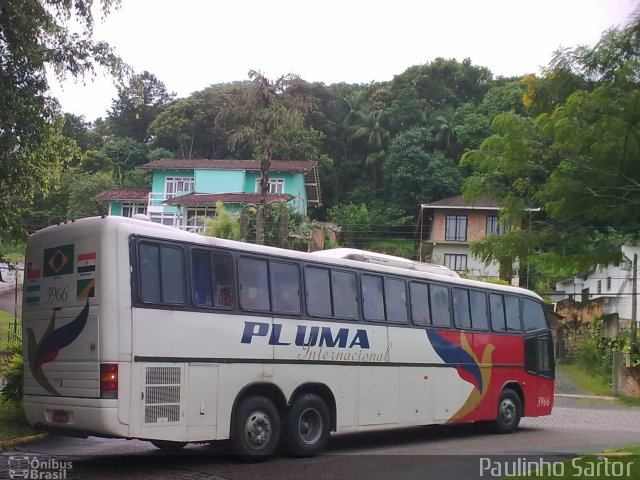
{"x":257,"y":113}
{"x":137,"y":105}
{"x":34,"y":36}
{"x":577,"y":160}
{"x":417,"y":173}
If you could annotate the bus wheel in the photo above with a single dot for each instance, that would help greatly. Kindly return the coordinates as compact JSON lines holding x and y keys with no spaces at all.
{"x":509,"y":412}
{"x":307,"y":426}
{"x":255,"y":432}
{"x":167,"y":445}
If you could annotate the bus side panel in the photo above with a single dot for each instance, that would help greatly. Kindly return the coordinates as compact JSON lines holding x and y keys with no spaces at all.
{"x":165,"y":342}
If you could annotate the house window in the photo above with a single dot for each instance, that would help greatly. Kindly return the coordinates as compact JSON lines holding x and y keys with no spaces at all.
{"x":455,"y":262}
{"x":599,"y":286}
{"x":130,"y":209}
{"x":276,"y":185}
{"x":170,"y":219}
{"x":585,"y":295}
{"x":456,"y":228}
{"x":177,"y":185}
{"x":494,"y":225}
{"x":197,"y":215}
{"x":608,"y":283}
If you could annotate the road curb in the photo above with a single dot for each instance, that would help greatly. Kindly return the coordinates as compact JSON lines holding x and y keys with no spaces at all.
{"x":14,"y":442}
{"x":588,"y":397}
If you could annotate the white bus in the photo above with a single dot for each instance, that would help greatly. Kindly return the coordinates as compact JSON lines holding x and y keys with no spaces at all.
{"x":137,"y":330}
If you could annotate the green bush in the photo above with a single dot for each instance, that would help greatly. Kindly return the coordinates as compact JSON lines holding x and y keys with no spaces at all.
{"x":12,"y":373}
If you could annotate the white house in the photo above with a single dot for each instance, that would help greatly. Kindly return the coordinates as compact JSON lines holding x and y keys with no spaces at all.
{"x":611,"y":283}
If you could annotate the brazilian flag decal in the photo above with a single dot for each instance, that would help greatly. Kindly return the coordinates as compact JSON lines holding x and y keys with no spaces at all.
{"x":58,"y":261}
{"x":86,"y":288}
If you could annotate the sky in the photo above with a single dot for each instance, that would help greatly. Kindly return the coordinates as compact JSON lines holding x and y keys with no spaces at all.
{"x":192,"y":44}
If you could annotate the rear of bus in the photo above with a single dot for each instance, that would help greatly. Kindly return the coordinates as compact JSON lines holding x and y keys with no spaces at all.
{"x":70,"y":328}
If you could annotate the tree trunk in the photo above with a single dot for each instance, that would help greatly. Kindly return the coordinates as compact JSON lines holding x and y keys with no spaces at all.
{"x":260,"y":217}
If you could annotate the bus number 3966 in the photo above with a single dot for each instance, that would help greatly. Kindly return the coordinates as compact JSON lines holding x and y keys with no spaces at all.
{"x":57,"y":294}
{"x":544,"y":401}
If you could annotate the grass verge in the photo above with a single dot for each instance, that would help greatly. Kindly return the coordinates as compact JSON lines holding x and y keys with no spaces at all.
{"x":587,"y":380}
{"x":13,"y":423}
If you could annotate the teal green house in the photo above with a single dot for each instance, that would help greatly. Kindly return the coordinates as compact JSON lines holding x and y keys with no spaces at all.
{"x":184,"y":191}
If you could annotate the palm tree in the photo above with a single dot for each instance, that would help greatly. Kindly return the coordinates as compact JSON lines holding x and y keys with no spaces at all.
{"x":371,"y":127}
{"x":257,"y":112}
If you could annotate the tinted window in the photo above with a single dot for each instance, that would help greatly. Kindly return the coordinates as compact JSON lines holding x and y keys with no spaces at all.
{"x":254,"y":285}
{"x":496,"y":306}
{"x":202,"y":278}
{"x":439,"y":296}
{"x":395,"y":297}
{"x":172,"y":268}
{"x":149,"y":272}
{"x":318,"y":291}
{"x":512,"y":310}
{"x":372,"y":298}
{"x":461,"y":312}
{"x":479,"y":318}
{"x":533,"y":315}
{"x":222,"y":280}
{"x":420,"y":304}
{"x":161,"y":274}
{"x":345,"y":295}
{"x":285,"y":287}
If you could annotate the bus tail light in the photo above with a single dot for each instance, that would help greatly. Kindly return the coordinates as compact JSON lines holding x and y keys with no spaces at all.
{"x":108,"y":380}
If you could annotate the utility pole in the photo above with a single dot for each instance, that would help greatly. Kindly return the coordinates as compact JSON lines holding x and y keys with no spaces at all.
{"x":634,"y":307}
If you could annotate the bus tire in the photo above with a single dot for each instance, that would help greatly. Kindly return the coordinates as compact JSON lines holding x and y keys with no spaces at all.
{"x":256,"y":428}
{"x":509,"y":412}
{"x":307,"y":425}
{"x":167,"y":445}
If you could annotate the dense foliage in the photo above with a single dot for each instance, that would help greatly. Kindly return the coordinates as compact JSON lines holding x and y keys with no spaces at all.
{"x":565,"y":142}
{"x":573,"y":153}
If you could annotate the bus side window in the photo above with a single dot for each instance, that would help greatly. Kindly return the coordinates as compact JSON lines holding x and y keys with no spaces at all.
{"x":440,"y":312}
{"x":479,"y":318}
{"x":395,"y":299}
{"x":223,"y":280}
{"x":285,"y":287}
{"x":161,"y":274}
{"x":254,"y":284}
{"x":372,"y":298}
{"x":172,"y":274}
{"x":345,"y":294}
{"x":461,"y":310}
{"x":318,"y":291}
{"x":201,"y":278}
{"x":533,"y":315}
{"x":496,"y":306}
{"x":420,"y":304}
{"x":512,"y":312}
{"x":148,"y":258}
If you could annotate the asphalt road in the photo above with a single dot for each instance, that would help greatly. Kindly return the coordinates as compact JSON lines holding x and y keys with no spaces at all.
{"x":440,"y":452}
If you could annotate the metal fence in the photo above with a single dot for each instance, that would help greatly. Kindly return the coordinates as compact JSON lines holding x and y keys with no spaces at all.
{"x":10,"y":332}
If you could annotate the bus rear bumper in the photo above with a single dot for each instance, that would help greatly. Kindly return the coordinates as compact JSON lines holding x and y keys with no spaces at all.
{"x":75,"y":416}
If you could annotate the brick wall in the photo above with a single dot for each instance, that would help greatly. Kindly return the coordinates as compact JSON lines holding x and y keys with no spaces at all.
{"x":476,"y":223}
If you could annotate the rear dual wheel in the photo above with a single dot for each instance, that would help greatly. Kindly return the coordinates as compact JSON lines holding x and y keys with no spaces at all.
{"x":257,"y":427}
{"x":307,"y":426}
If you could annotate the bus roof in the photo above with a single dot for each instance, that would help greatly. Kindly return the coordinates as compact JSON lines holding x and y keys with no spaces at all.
{"x":345,"y":257}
